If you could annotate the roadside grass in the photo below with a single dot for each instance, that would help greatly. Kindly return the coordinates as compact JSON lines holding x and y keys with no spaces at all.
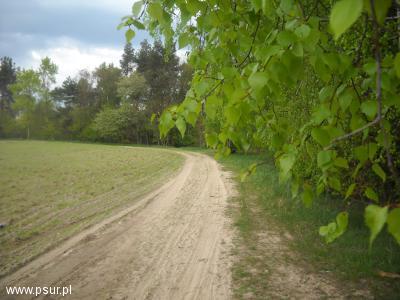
{"x":264,"y":204}
{"x":52,"y":190}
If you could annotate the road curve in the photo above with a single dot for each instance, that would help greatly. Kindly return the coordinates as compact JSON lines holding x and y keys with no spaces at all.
{"x":174,"y":243}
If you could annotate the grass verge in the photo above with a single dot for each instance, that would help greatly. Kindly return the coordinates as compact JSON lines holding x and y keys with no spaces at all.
{"x":52,"y":190}
{"x":265,"y":205}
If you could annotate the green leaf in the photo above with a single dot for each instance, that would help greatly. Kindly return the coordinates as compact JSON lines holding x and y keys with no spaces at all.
{"x":191,"y":105}
{"x":369,"y":108}
{"x":321,"y":136}
{"x":350,"y":190}
{"x":358,"y":168}
{"x":120,"y":26}
{"x":277,"y":141}
{"x":303,"y":31}
{"x":327,"y":231}
{"x":378,"y":171}
{"x":381,"y":9}
{"x":393,"y":221}
{"x":370,"y":68}
{"x":212,"y":140}
{"x":285,"y":38}
{"x":324,"y":158}
{"x":183,"y":40}
{"x":307,"y":196}
{"x":320,"y":188}
{"x":286,"y":163}
{"x":322,"y":70}
{"x":334,"y":183}
{"x":321,"y":113}
{"x":181,"y":125}
{"x":345,"y":100}
{"x":375,"y":218}
{"x":344,"y":13}
{"x":397,"y":64}
{"x":341,"y":163}
{"x":298,"y":50}
{"x":331,"y":60}
{"x":137,"y":8}
{"x":371,"y":194}
{"x":155,"y":11}
{"x":138,"y":25}
{"x":342,"y":220}
{"x":361,"y":153}
{"x":129,"y":35}
{"x":372,"y":148}
{"x":335,"y":229}
{"x":191,"y":118}
{"x":258,"y":80}
{"x":356,"y":121}
{"x":286,"y":6}
{"x":166,"y":123}
{"x":257,"y":5}
{"x":325,"y":93}
{"x":267,"y":6}
{"x":212,"y":105}
{"x":232,"y":115}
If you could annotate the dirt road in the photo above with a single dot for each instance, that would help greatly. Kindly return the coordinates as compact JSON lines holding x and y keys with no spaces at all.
{"x":172,"y":244}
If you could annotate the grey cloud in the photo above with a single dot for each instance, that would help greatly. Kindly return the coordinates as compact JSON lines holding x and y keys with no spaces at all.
{"x":27,"y":25}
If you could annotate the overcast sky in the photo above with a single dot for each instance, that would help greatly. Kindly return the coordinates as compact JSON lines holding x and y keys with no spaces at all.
{"x":75,"y":34}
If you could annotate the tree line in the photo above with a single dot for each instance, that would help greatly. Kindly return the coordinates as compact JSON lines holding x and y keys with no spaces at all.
{"x":110,"y":104}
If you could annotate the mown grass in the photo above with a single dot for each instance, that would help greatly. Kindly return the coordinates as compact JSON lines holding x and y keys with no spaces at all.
{"x":264,"y":203}
{"x":52,"y":190}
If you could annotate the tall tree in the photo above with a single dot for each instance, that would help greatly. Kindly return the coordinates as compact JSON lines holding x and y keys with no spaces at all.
{"x":47,"y":74}
{"x":107,"y":77}
{"x":7,"y":77}
{"x":25,"y":91}
{"x":86,"y":92}
{"x":67,"y":94}
{"x":133,"y":89}
{"x":127,"y":62}
{"x":67,"y":98}
{"x":86,"y":105}
{"x":161,"y":71}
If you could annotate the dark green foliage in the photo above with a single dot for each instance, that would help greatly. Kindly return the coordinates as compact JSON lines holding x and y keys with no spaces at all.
{"x":107,"y":77}
{"x":128,"y":60}
{"x":7,"y":77}
{"x":161,"y":72}
{"x":124,"y":124}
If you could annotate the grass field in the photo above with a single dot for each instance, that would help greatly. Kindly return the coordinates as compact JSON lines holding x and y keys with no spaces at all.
{"x":51,"y":190}
{"x":265,"y":205}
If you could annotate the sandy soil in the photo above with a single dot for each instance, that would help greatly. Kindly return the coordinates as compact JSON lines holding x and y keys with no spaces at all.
{"x":172,"y":244}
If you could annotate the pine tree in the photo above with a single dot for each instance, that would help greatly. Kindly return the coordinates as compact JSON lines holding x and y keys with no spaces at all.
{"x":7,"y":77}
{"x":127,"y":61}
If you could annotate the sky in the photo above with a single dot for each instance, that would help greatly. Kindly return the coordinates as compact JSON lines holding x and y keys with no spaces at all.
{"x":75,"y":34}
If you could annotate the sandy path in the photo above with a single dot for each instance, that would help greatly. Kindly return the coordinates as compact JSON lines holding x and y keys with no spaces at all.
{"x":172,"y":244}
